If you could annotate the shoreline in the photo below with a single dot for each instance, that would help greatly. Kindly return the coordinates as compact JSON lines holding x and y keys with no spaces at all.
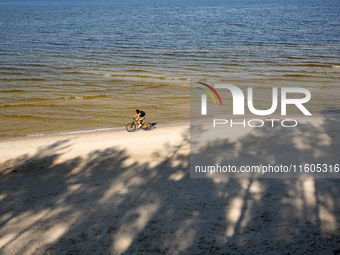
{"x":164,"y":124}
{"x":85,"y":131}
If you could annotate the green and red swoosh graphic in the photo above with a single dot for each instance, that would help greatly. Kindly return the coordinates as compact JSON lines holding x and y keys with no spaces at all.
{"x":208,"y":92}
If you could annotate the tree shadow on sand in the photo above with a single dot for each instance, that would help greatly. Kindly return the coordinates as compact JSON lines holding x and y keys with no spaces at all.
{"x":107,"y":203}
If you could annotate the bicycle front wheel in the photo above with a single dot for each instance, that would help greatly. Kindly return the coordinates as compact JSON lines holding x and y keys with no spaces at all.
{"x":131,"y":127}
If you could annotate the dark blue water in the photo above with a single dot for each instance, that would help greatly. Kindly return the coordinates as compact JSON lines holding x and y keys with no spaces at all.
{"x":82,"y":64}
{"x":68,"y":26}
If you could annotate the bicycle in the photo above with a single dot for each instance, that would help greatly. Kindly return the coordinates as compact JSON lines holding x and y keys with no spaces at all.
{"x":131,"y":127}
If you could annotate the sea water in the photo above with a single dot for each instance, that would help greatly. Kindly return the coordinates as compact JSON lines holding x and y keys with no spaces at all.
{"x":70,"y":66}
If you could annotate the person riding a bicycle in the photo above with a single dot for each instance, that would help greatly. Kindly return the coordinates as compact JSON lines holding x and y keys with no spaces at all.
{"x":139,"y":117}
{"x":138,"y":120}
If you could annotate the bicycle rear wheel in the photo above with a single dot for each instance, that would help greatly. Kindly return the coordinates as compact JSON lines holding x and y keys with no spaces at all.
{"x":131,"y":127}
{"x":147,"y":126}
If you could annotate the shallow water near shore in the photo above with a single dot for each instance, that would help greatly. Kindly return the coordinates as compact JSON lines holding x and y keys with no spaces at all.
{"x":72,"y":66}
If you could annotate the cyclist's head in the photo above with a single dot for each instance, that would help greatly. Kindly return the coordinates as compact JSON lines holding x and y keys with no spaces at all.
{"x":137,"y":111}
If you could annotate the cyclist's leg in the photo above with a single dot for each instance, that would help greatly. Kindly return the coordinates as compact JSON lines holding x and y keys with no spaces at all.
{"x":138,"y":123}
{"x":141,"y":121}
{"x":138,"y":120}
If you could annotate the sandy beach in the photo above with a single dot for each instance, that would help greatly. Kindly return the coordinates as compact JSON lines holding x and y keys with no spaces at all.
{"x":114,"y":192}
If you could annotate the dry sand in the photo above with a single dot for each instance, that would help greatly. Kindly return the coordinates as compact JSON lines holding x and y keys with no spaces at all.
{"x":115,"y":192}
